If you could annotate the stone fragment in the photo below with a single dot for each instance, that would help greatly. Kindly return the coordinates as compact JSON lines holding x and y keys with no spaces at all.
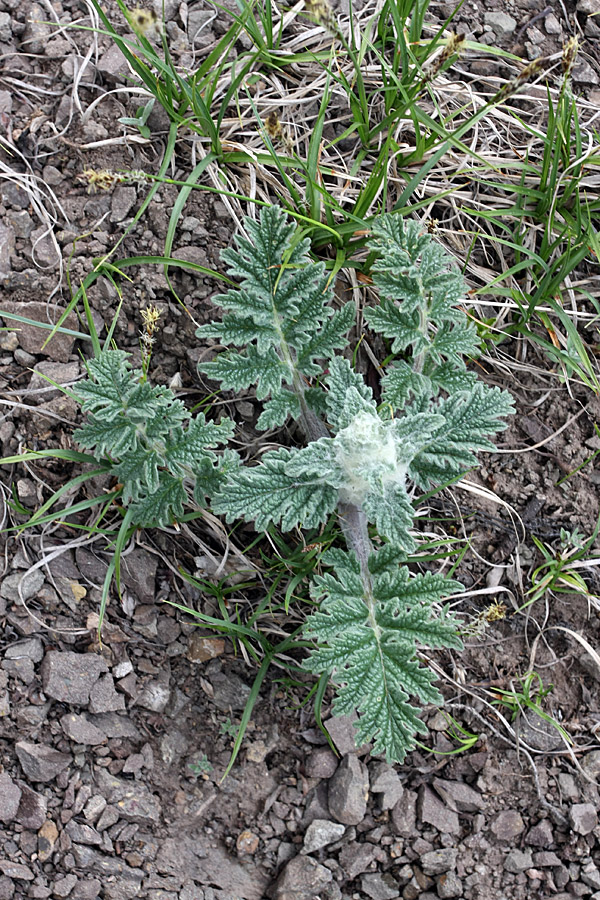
{"x":380,"y":887}
{"x":104,"y":697}
{"x":82,"y":834}
{"x":201,"y":648}
{"x":349,"y":791}
{"x":112,"y":65}
{"x":40,"y":762}
{"x":449,"y":885}
{"x":246,"y":843}
{"x":301,"y":879}
{"x":123,"y":198}
{"x":30,"y":648}
{"x":316,"y":804}
{"x":501,"y":23}
{"x":321,"y":763}
{"x":508,"y":825}
{"x":552,"y":25}
{"x":20,"y":668}
{"x":583,"y":818}
{"x":69,"y":677}
{"x":32,"y":337}
{"x":7,"y":888}
{"x":138,"y":571}
{"x":538,"y":732}
{"x":320,"y":833}
{"x":459,"y":796}
{"x":404,"y":814}
{"x":16,"y":870}
{"x":385,"y":782}
{"x":437,"y":862}
{"x":230,"y":693}
{"x":540,"y":835}
{"x":433,"y":812}
{"x":94,"y":807}
{"x":545,"y":858}
{"x":590,"y":875}
{"x":590,"y":764}
{"x":343,"y":734}
{"x":134,"y":801}
{"x":518,"y":861}
{"x":155,"y":695}
{"x":36,"y":31}
{"x":356,"y":858}
{"x":47,"y":837}
{"x":18,"y":587}
{"x":110,"y":816}
{"x":10,"y":798}
{"x":79,"y":729}
{"x":32,"y":808}
{"x":86,"y":890}
{"x":63,"y":886}
{"x":115,"y":726}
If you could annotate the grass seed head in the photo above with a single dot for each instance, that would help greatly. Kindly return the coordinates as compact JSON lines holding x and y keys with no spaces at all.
{"x":144,"y":22}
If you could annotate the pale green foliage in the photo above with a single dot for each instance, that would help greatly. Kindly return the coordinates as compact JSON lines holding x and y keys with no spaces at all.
{"x":281,"y":314}
{"x":142,"y":430}
{"x":370,"y":644}
{"x":374,"y":613}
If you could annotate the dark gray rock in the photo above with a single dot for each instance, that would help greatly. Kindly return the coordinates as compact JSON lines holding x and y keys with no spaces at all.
{"x":104,"y":697}
{"x":316,"y":805}
{"x":449,"y":885}
{"x":437,"y":862}
{"x":31,"y":338}
{"x":583,"y":818}
{"x":37,"y":32}
{"x":508,"y":825}
{"x":229,"y":691}
{"x":459,"y":796}
{"x":123,"y":198}
{"x":501,"y":23}
{"x":385,"y":782}
{"x":591,"y":876}
{"x":79,"y":729}
{"x":40,"y":762}
{"x":32,"y":808}
{"x":18,"y":587}
{"x":380,"y":887}
{"x":301,"y":879}
{"x":86,"y":890}
{"x":7,"y":888}
{"x":82,"y":834}
{"x":518,"y":861}
{"x":343,"y":734}
{"x":349,"y":791}
{"x":20,"y":668}
{"x":321,"y":763}
{"x":112,"y":65}
{"x":63,"y":886}
{"x":320,"y":833}
{"x":432,"y":811}
{"x":70,"y":677}
{"x":356,"y":858}
{"x":30,"y":648}
{"x":134,"y":801}
{"x":540,"y":835}
{"x":404,"y":814}
{"x":115,"y":726}
{"x":16,"y":870}
{"x":138,"y":571}
{"x":10,"y":798}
